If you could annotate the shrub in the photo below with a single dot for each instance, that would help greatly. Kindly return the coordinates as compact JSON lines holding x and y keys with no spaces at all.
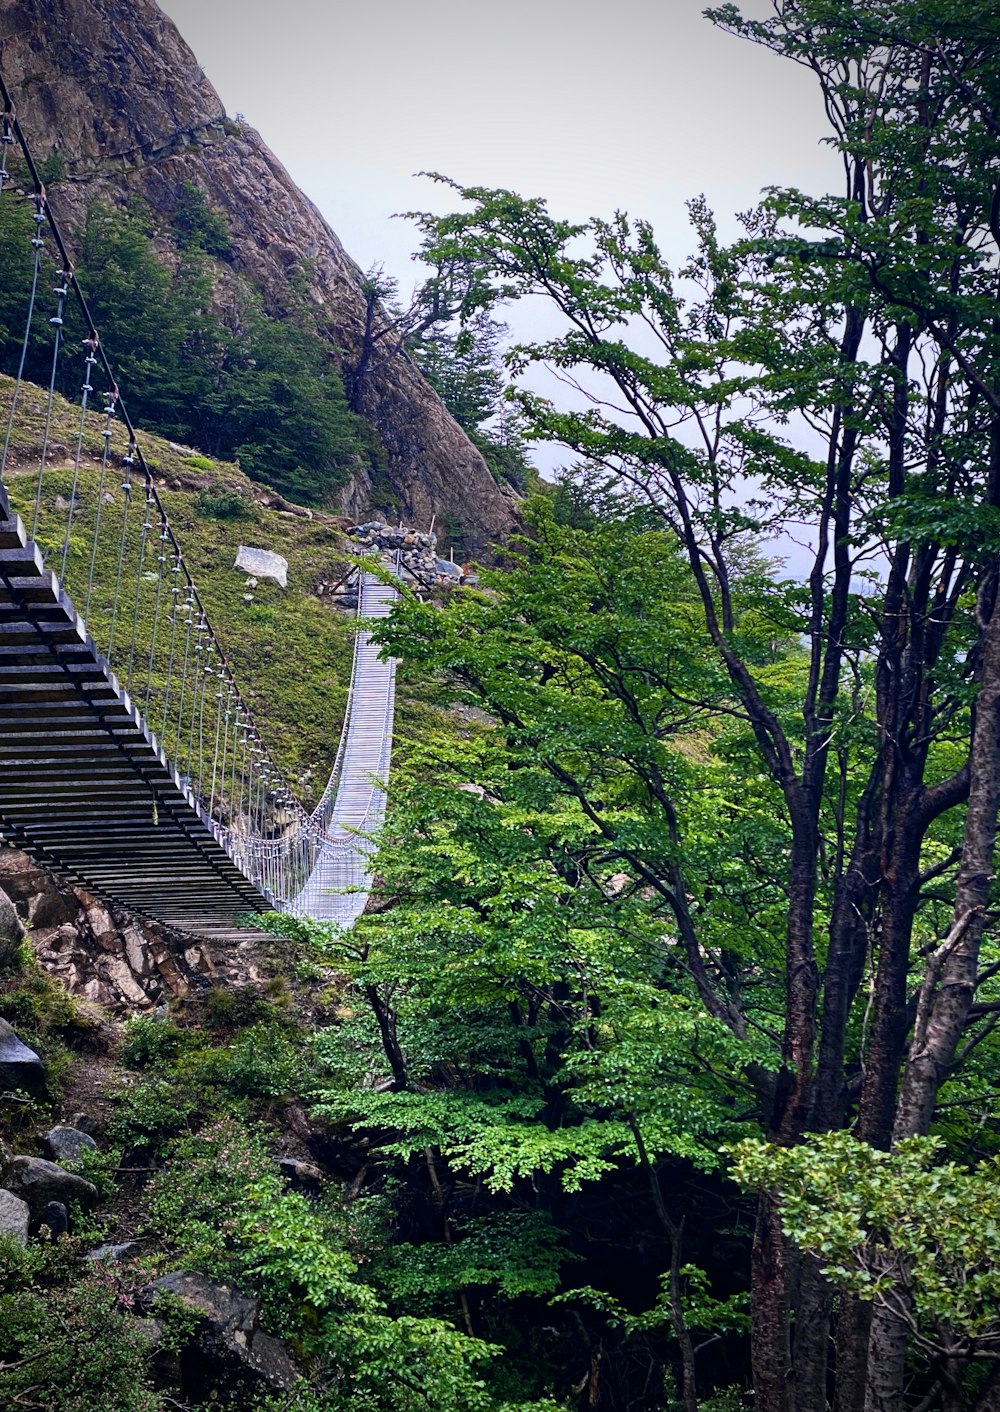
{"x":263,"y":1063}
{"x":225,"y":502}
{"x":150,"y":1113}
{"x":73,"y":1348}
{"x":149,"y":1042}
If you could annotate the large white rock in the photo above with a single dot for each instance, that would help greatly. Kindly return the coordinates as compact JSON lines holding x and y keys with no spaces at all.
{"x":262,"y":564}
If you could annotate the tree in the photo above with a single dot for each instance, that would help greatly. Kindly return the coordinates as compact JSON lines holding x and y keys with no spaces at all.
{"x":866,"y":321}
{"x":464,"y":365}
{"x":198,"y":357}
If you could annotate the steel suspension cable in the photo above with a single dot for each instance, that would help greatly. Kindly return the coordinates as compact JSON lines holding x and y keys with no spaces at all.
{"x":109,"y":412}
{"x":143,"y":541}
{"x":90,"y":362}
{"x":39,"y":245}
{"x":57,"y":322}
{"x":161,"y":569}
{"x":128,"y":461}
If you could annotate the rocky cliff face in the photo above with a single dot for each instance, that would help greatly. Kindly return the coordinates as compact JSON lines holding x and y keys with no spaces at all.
{"x":111,"y":86}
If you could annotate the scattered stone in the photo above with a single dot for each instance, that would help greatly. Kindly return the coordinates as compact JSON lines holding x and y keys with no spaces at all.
{"x":61,"y":503}
{"x":84,"y":1122}
{"x":68,"y":1144}
{"x":111,"y":1253}
{"x":229,"y":1349}
{"x":14,"y":1217}
{"x":20,"y":1067}
{"x":303,"y":1176}
{"x":262,"y":564}
{"x":55,"y":1219}
{"x":108,"y":499}
{"x":38,"y":1182}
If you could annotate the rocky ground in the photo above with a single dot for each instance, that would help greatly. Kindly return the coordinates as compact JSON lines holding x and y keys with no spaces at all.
{"x":78,"y":1145}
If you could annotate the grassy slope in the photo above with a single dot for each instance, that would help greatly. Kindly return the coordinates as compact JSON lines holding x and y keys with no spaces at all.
{"x":290,"y":649}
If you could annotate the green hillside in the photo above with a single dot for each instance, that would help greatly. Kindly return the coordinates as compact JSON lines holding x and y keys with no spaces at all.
{"x":290,"y":649}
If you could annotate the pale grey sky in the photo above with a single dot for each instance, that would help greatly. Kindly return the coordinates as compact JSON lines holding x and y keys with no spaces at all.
{"x":595,"y":104}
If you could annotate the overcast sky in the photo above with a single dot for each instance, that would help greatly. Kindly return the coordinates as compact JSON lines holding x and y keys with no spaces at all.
{"x":596,"y":104}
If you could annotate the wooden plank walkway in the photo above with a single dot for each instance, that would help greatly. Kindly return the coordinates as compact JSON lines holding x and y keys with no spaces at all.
{"x":84,"y":787}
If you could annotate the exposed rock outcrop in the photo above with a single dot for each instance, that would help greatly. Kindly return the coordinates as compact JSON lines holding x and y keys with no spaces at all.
{"x":102,"y":955}
{"x":229,"y":1348}
{"x":112,"y":87}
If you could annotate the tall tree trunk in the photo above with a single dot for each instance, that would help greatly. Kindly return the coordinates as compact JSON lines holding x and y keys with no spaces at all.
{"x":811,"y":1338}
{"x":949,"y":984}
{"x":769,"y":1311}
{"x":887,"y":1040}
{"x":853,"y":1330}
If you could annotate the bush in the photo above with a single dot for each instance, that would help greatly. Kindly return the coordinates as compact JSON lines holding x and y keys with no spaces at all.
{"x":226,"y":502}
{"x":149,"y":1042}
{"x":151,"y":1113}
{"x":263,"y":1063}
{"x":74,"y":1349}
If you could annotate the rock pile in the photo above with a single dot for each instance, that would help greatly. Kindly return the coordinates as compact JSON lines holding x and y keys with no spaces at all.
{"x":98,"y":954}
{"x":417,"y":551}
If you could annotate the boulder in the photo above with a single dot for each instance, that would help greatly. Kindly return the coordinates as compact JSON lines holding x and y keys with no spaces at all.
{"x":11,"y":934}
{"x":38,"y":1182}
{"x":68,"y":1144}
{"x":262,"y":564}
{"x":229,"y":1350}
{"x":55,"y":1219}
{"x":302,"y":1176}
{"x":14,"y":1217}
{"x":111,"y":1253}
{"x":20,"y":1067}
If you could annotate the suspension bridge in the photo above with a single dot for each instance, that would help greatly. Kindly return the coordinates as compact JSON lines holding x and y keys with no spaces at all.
{"x":130,"y":762}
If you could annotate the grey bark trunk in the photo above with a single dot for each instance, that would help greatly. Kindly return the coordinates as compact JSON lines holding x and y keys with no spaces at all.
{"x":948,"y":987}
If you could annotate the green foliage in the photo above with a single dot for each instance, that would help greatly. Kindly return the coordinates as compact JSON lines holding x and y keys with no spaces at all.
{"x":76,"y":1348}
{"x":192,"y":1201}
{"x":198,"y":356}
{"x":197,"y":226}
{"x":149,"y":1112}
{"x":465,"y":368}
{"x":877,"y":1220}
{"x":221,"y":1202}
{"x":151,"y":1043}
{"x":224,"y":503}
{"x":517,"y":1252}
{"x":262,"y":1063}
